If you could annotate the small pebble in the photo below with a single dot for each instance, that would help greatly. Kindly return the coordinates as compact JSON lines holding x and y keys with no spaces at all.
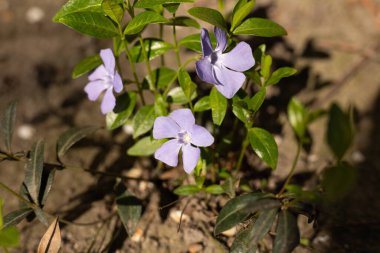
{"x":26,"y":132}
{"x":134,"y":172}
{"x":128,"y":129}
{"x":176,"y":216}
{"x":358,"y":157}
{"x":230,"y":232}
{"x":195,"y":248}
{"x":138,"y":235}
{"x":34,"y":14}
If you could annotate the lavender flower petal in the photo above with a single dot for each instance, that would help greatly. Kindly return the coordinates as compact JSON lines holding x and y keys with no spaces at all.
{"x":201,"y":137}
{"x":117,"y":83}
{"x":93,"y":89}
{"x":240,"y":58}
{"x":204,"y":71}
{"x":190,"y":156}
{"x":98,"y":74}
{"x":108,"y":60}
{"x":206,"y":43}
{"x":108,"y":102}
{"x":221,"y":38}
{"x":165,"y":127}
{"x":229,"y":81}
{"x":168,"y":153}
{"x":184,"y":118}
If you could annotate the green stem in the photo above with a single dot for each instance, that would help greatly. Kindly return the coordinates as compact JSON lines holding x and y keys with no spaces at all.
{"x":176,"y":49}
{"x":221,"y":6}
{"x":145,"y":54}
{"x":5,"y":250}
{"x":9,"y":190}
{"x":292,"y":169}
{"x":244,"y":146}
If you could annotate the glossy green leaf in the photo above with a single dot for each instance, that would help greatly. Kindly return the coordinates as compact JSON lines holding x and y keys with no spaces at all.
{"x":172,"y":8}
{"x":145,"y":147}
{"x":41,"y":216}
{"x":254,"y":76}
{"x":74,"y":6}
{"x":202,"y":104}
{"x":86,"y":65}
{"x":33,"y":171}
{"x":234,"y":211}
{"x":177,"y":96}
{"x":218,"y":105}
{"x":15,"y":217}
{"x":113,"y":9}
{"x":150,"y":3}
{"x":287,"y":233}
{"x":280,"y":73}
{"x":241,"y":12}
{"x":46,"y":183}
{"x":209,"y":15}
{"x":240,"y":110}
{"x":125,"y":104}
{"x":264,"y":145}
{"x":138,"y":23}
{"x":185,"y":82}
{"x":340,"y":131}
{"x":129,"y":208}
{"x":7,"y":123}
{"x":153,"y":48}
{"x":193,"y":42}
{"x":247,"y":239}
{"x":185,"y":190}
{"x":160,"y":105}
{"x":266,"y":63}
{"x":214,"y":189}
{"x":70,"y":137}
{"x":184,"y":21}
{"x":297,"y":115}
{"x":338,"y":181}
{"x":262,"y":204}
{"x":257,"y":100}
{"x":161,"y":78}
{"x":9,"y":237}
{"x":143,"y":120}
{"x":260,"y":27}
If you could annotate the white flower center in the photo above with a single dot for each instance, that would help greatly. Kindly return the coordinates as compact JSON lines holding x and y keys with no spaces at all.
{"x":108,"y":80}
{"x":215,"y":58}
{"x":184,"y":137}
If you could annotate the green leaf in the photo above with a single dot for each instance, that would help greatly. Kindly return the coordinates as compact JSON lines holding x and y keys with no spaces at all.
{"x":1,"y":213}
{"x":41,"y":216}
{"x":235,"y":211}
{"x":150,"y":3}
{"x":266,"y":63}
{"x":193,"y":42}
{"x":338,"y":181}
{"x":143,"y":120}
{"x":247,"y":239}
{"x":125,"y":104}
{"x":186,"y":83}
{"x":9,"y":237}
{"x":257,"y":100}
{"x":70,"y":137}
{"x":86,"y":65}
{"x":138,"y":23}
{"x":239,"y":109}
{"x":264,"y":145}
{"x":153,"y":48}
{"x":209,"y":15}
{"x":172,"y":8}
{"x":46,"y":183}
{"x":260,"y":27}
{"x":215,"y":189}
{"x":129,"y":208}
{"x":177,"y":96}
{"x":161,"y":78}
{"x":74,"y":6}
{"x":254,"y":76}
{"x":113,"y":9}
{"x":218,"y":105}
{"x":15,"y":217}
{"x":280,"y":73}
{"x":241,"y":12}
{"x":145,"y":147}
{"x":297,"y":115}
{"x":340,"y":131}
{"x":7,"y":123}
{"x":185,"y":190}
{"x":33,"y":171}
{"x":287,"y":233}
{"x":202,"y":104}
{"x":160,"y":105}
{"x":184,"y":21}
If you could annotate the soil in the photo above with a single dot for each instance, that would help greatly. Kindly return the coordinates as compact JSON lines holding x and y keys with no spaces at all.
{"x":335,"y":45}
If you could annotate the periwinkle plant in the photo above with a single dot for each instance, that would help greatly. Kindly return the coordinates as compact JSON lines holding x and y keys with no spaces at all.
{"x":161,"y":128}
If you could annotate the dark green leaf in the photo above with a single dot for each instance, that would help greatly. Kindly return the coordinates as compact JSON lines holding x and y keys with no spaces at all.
{"x":122,"y":111}
{"x":143,"y":120}
{"x":46,"y":183}
{"x":257,"y":100}
{"x":218,"y":105}
{"x":254,"y":76}
{"x":241,"y":12}
{"x":74,"y":6}
{"x":177,"y":96}
{"x":209,"y":15}
{"x":184,"y":21}
{"x":33,"y":173}
{"x":314,"y":115}
{"x":240,"y":110}
{"x":41,"y":216}
{"x":260,"y":27}
{"x":262,"y":204}
{"x":186,"y":83}
{"x":153,"y":48}
{"x":280,"y":73}
{"x":161,"y":78}
{"x":287,"y":233}
{"x":150,"y":3}
{"x":338,"y":181}
{"x":264,"y":145}
{"x":15,"y":217}
{"x":340,"y":131}
{"x":72,"y":136}
{"x":86,"y":65}
{"x":138,"y":23}
{"x":297,"y":115}
{"x":9,"y":237}
{"x":234,"y":211}
{"x":7,"y":123}
{"x":113,"y":9}
{"x":215,"y":189}
{"x":193,"y":42}
{"x":172,"y":8}
{"x":185,"y":190}
{"x":202,"y":104}
{"x":145,"y":147}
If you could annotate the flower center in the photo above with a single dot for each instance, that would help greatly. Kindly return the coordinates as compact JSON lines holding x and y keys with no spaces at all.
{"x":184,"y":137}
{"x":108,"y":79}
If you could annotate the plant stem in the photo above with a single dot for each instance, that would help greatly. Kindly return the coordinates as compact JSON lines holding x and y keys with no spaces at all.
{"x":221,"y":6}
{"x":145,"y":54}
{"x":292,"y":169}
{"x":9,"y":190}
{"x":244,"y":146}
{"x":176,"y":49}
{"x":5,"y":250}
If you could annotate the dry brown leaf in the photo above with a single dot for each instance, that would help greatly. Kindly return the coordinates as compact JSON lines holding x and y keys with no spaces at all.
{"x":51,"y":241}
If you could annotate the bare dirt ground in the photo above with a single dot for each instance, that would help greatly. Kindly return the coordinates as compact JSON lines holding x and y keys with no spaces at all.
{"x":335,"y":45}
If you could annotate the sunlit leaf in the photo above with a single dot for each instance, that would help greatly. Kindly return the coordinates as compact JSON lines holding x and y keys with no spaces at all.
{"x":161,"y":78}
{"x":280,"y":73}
{"x":266,"y":63}
{"x":257,"y":100}
{"x":185,"y":190}
{"x":33,"y":170}
{"x":125,"y":104}
{"x":193,"y":42}
{"x":138,"y":23}
{"x":264,"y":145}
{"x":153,"y":49}
{"x":260,"y":27}
{"x":184,"y":21}
{"x":218,"y":105}
{"x":202,"y":104}
{"x":150,"y":3}
{"x":9,"y":237}
{"x":86,"y":65}
{"x":143,"y":120}
{"x":240,"y":12}
{"x":113,"y":9}
{"x":297,"y":115}
{"x":214,"y":189}
{"x":177,"y":96}
{"x":185,"y":82}
{"x":7,"y":123}
{"x":209,"y":15}
{"x":240,"y":110}
{"x":51,"y":241}
{"x":145,"y":147}
{"x":287,"y":233}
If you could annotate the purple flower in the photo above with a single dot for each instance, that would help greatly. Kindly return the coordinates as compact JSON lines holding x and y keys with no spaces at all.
{"x":180,"y":125}
{"x":104,"y":78}
{"x":224,"y":70}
